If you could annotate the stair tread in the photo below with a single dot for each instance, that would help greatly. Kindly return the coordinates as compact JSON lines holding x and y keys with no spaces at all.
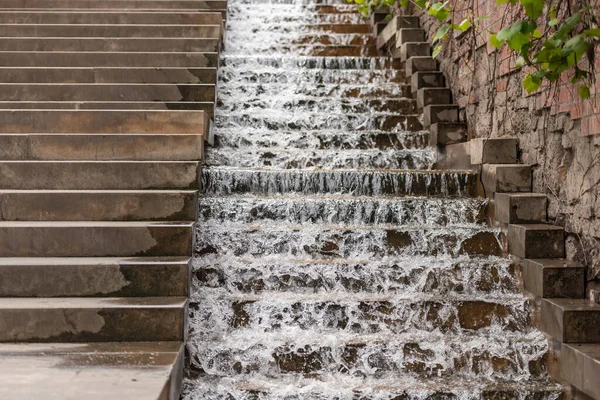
{"x":45,"y":303}
{"x":84,"y":224}
{"x":54,"y":261}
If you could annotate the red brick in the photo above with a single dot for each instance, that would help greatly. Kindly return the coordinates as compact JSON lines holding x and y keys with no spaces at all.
{"x":594,"y":125}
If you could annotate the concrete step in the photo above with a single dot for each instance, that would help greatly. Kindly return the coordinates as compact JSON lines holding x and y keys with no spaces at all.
{"x":178,"y":75}
{"x":97,"y":205}
{"x":115,"y":4}
{"x":103,"y":121}
{"x":571,"y":320}
{"x":445,"y":133}
{"x":186,"y":45}
{"x":141,"y":31}
{"x":106,"y":17}
{"x":435,"y":113}
{"x":553,"y":278}
{"x":93,"y":319}
{"x":412,"y":49}
{"x":109,"y":59}
{"x":387,"y":36}
{"x":341,"y":28}
{"x":433,"y":95}
{"x":494,"y":151}
{"x":106,"y":277}
{"x":107,"y":92}
{"x":580,"y":366}
{"x":427,"y":79}
{"x":91,"y":147}
{"x":506,"y":178}
{"x":61,"y":371}
{"x":536,"y":240}
{"x":420,"y":64}
{"x":520,"y":208}
{"x":95,"y":239}
{"x":98,"y":175}
{"x":407,"y":35}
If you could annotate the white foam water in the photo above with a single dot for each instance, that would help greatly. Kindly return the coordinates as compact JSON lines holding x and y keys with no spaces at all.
{"x":332,"y":262}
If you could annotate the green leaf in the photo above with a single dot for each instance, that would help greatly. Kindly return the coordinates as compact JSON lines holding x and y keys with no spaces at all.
{"x":567,"y":27}
{"x":495,"y":42}
{"x":403,"y":3}
{"x":553,"y":22}
{"x":517,"y":41}
{"x":537,"y":34}
{"x":436,"y":51}
{"x":509,"y":31}
{"x":441,"y":32}
{"x":533,"y":8}
{"x":421,"y":3}
{"x":464,"y":25}
{"x":439,"y":11}
{"x":577,"y":46}
{"x":584,"y":92}
{"x":519,"y":62}
{"x":531,"y":84}
{"x":592,"y":32}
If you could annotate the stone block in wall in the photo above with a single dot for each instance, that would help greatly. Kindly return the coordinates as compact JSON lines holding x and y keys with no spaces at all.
{"x":580,"y":366}
{"x":571,"y":320}
{"x":515,"y":208}
{"x":407,"y":35}
{"x":494,"y":151}
{"x":536,"y":240}
{"x":506,"y":178}
{"x":433,"y":95}
{"x":423,"y":63}
{"x":435,"y":113}
{"x":553,"y":278}
{"x":426,"y":79}
{"x":444,"y":133}
{"x":413,"y":49}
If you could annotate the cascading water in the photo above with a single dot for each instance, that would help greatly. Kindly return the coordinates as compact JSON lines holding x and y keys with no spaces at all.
{"x":331,"y":261}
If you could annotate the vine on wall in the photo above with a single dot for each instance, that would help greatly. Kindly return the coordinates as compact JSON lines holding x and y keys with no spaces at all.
{"x":549,"y":39}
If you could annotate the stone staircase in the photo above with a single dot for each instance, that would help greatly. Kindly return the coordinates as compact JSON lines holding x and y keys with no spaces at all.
{"x":105,"y":107}
{"x":332,"y":260}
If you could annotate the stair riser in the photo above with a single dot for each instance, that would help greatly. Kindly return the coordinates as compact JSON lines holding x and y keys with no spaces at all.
{"x":101,"y":147}
{"x":95,"y":241}
{"x":105,"y":92}
{"x":101,"y":18}
{"x":107,"y":324}
{"x":107,"y":121}
{"x":98,"y":175}
{"x":97,"y":206}
{"x":337,"y":243}
{"x":125,"y":280}
{"x":139,"y":31}
{"x":207,"y":106}
{"x":110,"y":45}
{"x":109,"y":75}
{"x":111,"y":4}
{"x":80,"y":59}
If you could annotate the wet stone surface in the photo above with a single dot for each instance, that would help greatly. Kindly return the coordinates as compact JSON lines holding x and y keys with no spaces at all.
{"x":331,"y":260}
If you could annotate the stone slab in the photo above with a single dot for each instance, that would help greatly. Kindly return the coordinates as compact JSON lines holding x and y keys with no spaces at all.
{"x":515,"y":208}
{"x":107,"y":92}
{"x":81,"y":319}
{"x":571,"y":320}
{"x":95,"y":239}
{"x":494,"y":151}
{"x":61,"y":371}
{"x":108,"y":75}
{"x":553,"y":278}
{"x":427,"y":79}
{"x":115,"y":4}
{"x":108,"y":59}
{"x":421,"y":63}
{"x":141,"y":31}
{"x":97,"y":205}
{"x":445,"y":133}
{"x":98,"y":175}
{"x":412,"y":49}
{"x":406,"y":35}
{"x":103,"y":121}
{"x":506,"y":178}
{"x":166,"y":45}
{"x":436,"y":113}
{"x":97,"y":276}
{"x":580,"y":366}
{"x":433,"y":95}
{"x":91,"y":147}
{"x":110,"y":17}
{"x":536,"y":240}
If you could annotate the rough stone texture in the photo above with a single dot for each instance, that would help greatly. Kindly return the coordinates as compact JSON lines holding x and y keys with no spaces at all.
{"x":494,"y":151}
{"x":515,"y":208}
{"x":506,"y":178}
{"x":536,"y":241}
{"x":580,"y":365}
{"x":548,"y":124}
{"x":571,"y":320}
{"x":553,"y":278}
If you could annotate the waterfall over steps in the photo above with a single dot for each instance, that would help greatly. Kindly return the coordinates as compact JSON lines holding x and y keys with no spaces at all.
{"x":331,"y":260}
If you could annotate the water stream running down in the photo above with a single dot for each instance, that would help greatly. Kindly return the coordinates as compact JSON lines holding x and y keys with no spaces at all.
{"x":331,"y":260}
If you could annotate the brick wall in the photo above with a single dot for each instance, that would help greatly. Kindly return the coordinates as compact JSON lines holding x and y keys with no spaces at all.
{"x":558,"y":133}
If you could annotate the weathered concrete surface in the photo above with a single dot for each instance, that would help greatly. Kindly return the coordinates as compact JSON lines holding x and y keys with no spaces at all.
{"x":185,"y":45}
{"x":420,"y":63}
{"x":95,"y":239}
{"x":445,"y":133}
{"x":406,"y":35}
{"x":515,"y":208}
{"x":571,"y":320}
{"x":118,"y":5}
{"x":82,"y":59}
{"x":413,"y":49}
{"x":580,"y":365}
{"x":553,"y":278}
{"x":426,"y":79}
{"x":110,"y":17}
{"x":142,"y":31}
{"x":433,"y":95}
{"x":97,"y":276}
{"x":536,"y":240}
{"x":436,"y":113}
{"x":494,"y":151}
{"x":503,"y":178}
{"x":102,"y":371}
